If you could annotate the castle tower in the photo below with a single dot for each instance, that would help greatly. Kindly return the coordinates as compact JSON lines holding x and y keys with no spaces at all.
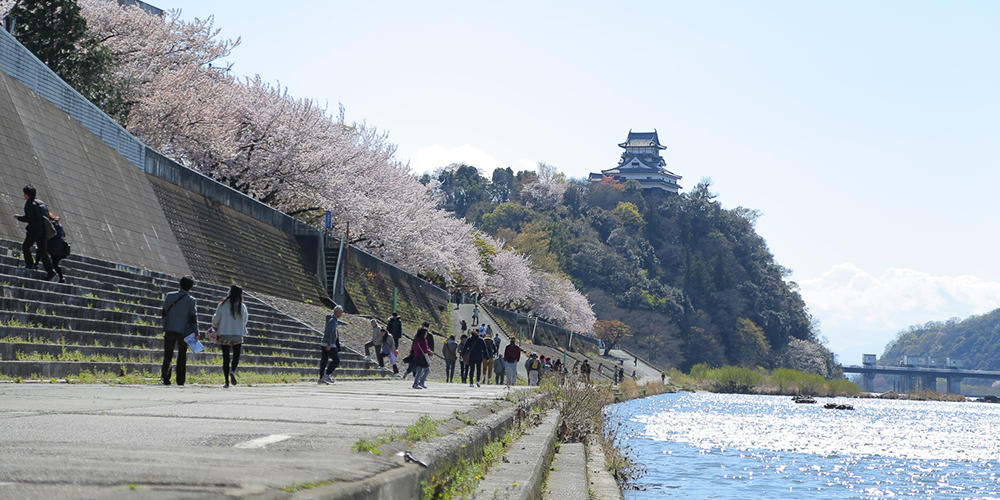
{"x":642,"y":162}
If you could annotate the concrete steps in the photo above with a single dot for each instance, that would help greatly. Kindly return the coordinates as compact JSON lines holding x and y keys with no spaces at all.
{"x":568,"y":474}
{"x":522,"y":471}
{"x":106,"y":317}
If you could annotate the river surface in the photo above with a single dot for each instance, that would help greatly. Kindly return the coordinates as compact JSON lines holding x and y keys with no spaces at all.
{"x":702,"y":445}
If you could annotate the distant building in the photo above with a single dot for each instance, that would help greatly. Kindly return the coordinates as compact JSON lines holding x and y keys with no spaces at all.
{"x":642,"y":162}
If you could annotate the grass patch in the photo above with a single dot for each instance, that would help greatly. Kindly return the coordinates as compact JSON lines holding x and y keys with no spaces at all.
{"x":423,"y":429}
{"x":460,"y":480}
{"x":306,"y":486}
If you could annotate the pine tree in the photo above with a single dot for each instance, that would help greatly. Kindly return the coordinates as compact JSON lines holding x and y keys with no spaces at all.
{"x":56,"y":32}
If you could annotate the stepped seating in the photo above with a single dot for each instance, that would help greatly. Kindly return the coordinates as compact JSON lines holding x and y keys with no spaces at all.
{"x":106,"y":318}
{"x":370,"y":284}
{"x":223,"y":245}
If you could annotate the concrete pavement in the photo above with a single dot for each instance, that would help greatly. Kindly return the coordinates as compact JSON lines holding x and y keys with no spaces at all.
{"x":85,"y":441}
{"x":643,"y":371}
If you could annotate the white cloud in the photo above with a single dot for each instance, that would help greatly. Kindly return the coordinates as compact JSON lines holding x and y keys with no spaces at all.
{"x":859,"y":311}
{"x":429,"y":158}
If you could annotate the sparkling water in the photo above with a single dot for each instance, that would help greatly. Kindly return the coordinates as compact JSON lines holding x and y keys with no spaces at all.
{"x":706,"y":445}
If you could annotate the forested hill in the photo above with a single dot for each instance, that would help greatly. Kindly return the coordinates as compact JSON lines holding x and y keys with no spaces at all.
{"x":694,"y":282}
{"x":972,"y":340}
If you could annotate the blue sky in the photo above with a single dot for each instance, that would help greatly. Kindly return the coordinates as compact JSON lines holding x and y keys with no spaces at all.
{"x":865,"y":132}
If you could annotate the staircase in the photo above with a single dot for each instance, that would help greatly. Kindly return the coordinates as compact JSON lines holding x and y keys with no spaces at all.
{"x":106,"y":318}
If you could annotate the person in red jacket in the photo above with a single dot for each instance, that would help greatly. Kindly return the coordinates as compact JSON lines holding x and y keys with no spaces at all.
{"x":511,"y":356}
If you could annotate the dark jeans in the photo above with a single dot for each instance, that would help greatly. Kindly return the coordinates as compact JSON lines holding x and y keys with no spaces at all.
{"x":449,"y":370}
{"x":229,"y":366}
{"x":328,"y":362}
{"x":464,"y":371}
{"x":476,"y":367}
{"x":43,"y":250}
{"x":378,"y":352}
{"x":170,"y":339}
{"x":499,"y":375}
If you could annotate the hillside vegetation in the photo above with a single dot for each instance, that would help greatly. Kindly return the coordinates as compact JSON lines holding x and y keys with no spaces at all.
{"x":972,"y":340}
{"x":693,"y":281}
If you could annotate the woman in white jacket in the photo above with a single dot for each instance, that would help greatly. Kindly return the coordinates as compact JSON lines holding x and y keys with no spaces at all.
{"x":230,"y":323}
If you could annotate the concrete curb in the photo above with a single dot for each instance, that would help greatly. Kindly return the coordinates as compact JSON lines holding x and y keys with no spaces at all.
{"x":522,"y":475}
{"x":405,"y":482}
{"x":601,"y":482}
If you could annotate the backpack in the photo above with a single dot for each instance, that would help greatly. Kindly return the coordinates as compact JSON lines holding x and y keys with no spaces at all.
{"x":535,"y":364}
{"x":50,"y":228}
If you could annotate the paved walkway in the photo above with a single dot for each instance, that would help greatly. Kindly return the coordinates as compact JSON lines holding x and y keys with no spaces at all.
{"x":85,"y":441}
{"x":644,"y":372}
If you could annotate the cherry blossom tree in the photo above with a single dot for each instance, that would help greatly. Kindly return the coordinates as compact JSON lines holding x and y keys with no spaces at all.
{"x":295,"y":155}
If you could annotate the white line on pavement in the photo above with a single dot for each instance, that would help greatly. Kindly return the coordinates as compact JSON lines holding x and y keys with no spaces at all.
{"x":262,"y":442}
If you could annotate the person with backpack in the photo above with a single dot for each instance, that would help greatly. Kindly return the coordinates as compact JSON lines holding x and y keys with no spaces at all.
{"x":475,"y":315}
{"x":230,"y":323}
{"x":37,"y":232}
{"x":59,"y":249}
{"x":488,"y":358}
{"x":534,"y":367}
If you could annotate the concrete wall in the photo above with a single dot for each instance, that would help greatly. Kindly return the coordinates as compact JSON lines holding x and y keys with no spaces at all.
{"x":108,"y":207}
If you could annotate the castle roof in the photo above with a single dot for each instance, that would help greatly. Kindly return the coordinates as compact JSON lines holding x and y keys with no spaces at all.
{"x":642,"y":140}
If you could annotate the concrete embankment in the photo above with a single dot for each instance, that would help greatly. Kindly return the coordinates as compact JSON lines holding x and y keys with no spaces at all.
{"x":279,"y":441}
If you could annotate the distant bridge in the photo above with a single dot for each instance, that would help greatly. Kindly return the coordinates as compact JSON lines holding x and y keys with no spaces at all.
{"x":916,"y":377}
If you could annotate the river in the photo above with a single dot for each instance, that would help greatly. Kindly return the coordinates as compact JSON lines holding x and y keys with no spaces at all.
{"x":703,"y":445}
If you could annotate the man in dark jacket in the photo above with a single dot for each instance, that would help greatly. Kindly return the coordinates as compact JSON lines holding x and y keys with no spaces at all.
{"x":330,"y":347}
{"x":395,"y":327}
{"x":35,"y":212}
{"x":180,"y":319}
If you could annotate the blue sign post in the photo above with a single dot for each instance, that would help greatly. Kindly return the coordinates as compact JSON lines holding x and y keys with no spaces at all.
{"x":329,"y":219}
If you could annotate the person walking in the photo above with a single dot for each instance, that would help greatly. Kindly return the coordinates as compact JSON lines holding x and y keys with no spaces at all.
{"x":534,"y":367}
{"x":475,"y":351}
{"x":488,"y":358}
{"x":36,"y":214}
{"x":420,"y":354}
{"x":389,"y":351}
{"x":395,"y":327}
{"x":511,"y":357}
{"x":463,"y":359}
{"x":430,"y":335}
{"x":230,"y":323}
{"x":463,"y":326}
{"x":475,"y":315}
{"x":330,"y":349}
{"x":585,"y":371}
{"x":180,"y":319}
{"x":375,"y":342}
{"x":58,"y":247}
{"x":450,"y":353}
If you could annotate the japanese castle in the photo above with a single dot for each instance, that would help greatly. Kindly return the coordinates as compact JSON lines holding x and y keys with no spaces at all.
{"x":642,"y":162}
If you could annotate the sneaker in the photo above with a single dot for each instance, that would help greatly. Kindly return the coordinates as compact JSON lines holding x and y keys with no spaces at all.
{"x":368,"y":359}
{"x":422,"y":386}
{"x":232,"y":378}
{"x":49,"y":275}
{"x":323,"y":381}
{"x":396,"y":375}
{"x":477,"y":384}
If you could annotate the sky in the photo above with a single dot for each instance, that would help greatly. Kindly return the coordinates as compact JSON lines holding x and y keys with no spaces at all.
{"x":864,"y":132}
